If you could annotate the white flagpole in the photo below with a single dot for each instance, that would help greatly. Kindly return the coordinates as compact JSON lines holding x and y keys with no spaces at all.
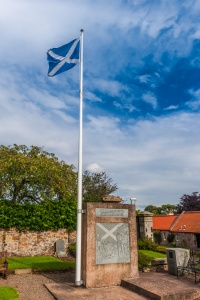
{"x":78,"y":280}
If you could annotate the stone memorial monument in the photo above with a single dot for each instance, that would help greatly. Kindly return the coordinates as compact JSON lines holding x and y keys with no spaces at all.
{"x":109,"y":243}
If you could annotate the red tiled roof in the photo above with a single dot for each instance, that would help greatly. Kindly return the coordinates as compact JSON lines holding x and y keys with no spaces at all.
{"x":163,"y":222}
{"x":189,"y":221}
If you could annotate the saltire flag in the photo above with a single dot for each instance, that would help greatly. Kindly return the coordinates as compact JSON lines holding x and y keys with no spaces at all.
{"x":63,"y":58}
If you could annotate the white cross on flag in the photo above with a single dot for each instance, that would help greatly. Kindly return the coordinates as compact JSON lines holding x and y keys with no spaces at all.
{"x":63,"y":58}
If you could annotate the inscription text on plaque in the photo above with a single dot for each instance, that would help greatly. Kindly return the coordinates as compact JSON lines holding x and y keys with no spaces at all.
{"x":111,"y":212}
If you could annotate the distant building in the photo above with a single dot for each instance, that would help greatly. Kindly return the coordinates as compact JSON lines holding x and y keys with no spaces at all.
{"x":181,"y":230}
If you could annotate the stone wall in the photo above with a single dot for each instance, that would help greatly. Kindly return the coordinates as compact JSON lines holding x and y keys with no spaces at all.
{"x":185,"y":240}
{"x":181,"y":239}
{"x":31,"y":243}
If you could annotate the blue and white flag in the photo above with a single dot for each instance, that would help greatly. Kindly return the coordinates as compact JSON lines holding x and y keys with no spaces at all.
{"x":63,"y":58}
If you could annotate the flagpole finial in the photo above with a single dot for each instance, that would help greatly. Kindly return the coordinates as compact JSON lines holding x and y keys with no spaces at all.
{"x":81,"y":30}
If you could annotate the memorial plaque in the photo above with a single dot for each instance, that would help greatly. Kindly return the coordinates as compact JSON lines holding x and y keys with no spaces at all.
{"x":111,"y":212}
{"x":60,"y":246}
{"x":112,"y":243}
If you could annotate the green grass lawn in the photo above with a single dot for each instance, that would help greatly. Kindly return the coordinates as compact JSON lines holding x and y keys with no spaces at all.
{"x":152,"y":254}
{"x":39,"y":263}
{"x":8,"y":293}
{"x":197,"y":266}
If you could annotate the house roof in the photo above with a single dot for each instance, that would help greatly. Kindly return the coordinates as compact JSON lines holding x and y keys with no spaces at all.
{"x":163,"y":222}
{"x":188,"y":221}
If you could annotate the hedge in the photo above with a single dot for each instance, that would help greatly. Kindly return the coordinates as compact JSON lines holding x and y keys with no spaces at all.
{"x":43,"y":216}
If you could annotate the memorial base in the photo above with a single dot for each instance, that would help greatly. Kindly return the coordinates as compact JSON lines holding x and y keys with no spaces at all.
{"x":109,"y":244}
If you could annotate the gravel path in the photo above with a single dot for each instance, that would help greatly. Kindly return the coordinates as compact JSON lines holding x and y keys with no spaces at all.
{"x":31,"y":286}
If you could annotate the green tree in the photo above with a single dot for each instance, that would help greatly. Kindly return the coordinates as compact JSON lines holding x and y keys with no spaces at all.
{"x":96,"y":186}
{"x":161,"y":210}
{"x":156,"y":210}
{"x":166,"y":208}
{"x":33,"y":175}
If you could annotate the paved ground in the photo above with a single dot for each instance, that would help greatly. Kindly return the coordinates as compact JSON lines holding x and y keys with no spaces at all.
{"x":31,"y":286}
{"x":60,"y":286}
{"x":164,"y":286}
{"x":68,"y":292}
{"x":153,"y":286}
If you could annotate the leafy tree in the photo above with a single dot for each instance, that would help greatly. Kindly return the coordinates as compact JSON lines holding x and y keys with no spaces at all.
{"x":161,"y":210}
{"x":189,"y":202}
{"x":96,"y":186}
{"x":153,"y":209}
{"x":166,"y":208}
{"x":33,"y":175}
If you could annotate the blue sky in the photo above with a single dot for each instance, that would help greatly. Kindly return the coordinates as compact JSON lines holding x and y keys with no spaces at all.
{"x":141,"y":90}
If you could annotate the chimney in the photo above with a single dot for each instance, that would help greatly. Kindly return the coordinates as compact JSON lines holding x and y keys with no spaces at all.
{"x":170,"y":212}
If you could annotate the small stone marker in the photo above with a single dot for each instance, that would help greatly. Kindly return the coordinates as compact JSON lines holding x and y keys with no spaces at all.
{"x":60,"y":248}
{"x":112,"y":199}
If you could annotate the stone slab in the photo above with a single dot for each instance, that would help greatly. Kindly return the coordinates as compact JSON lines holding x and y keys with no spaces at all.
{"x":60,"y":246}
{"x":62,"y":254}
{"x":159,"y":261}
{"x":23,"y":271}
{"x":158,"y":286}
{"x":67,"y":291}
{"x":112,"y":199}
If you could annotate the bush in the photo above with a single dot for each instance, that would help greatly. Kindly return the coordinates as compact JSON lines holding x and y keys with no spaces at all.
{"x":43,"y":216}
{"x":72,"y":249}
{"x":143,"y":261}
{"x":161,"y":249}
{"x":146,"y":244}
{"x":170,"y":237}
{"x":157,"y":236}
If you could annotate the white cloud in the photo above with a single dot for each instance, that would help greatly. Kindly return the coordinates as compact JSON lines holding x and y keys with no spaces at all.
{"x":95,"y":168}
{"x":111,"y":87}
{"x":171,"y":107}
{"x":194,"y":104}
{"x":149,"y":98}
{"x":156,"y":161}
{"x":124,"y":105}
{"x":92,"y":97}
{"x":144,"y":78}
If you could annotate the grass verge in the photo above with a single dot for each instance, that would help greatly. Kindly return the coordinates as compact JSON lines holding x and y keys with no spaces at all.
{"x":8,"y":293}
{"x":39,"y":263}
{"x":152,"y":254}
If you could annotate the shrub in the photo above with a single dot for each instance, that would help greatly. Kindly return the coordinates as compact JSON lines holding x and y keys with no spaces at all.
{"x":146,"y":244}
{"x":143,"y":261}
{"x":161,"y":249}
{"x":43,"y":216}
{"x":170,"y":237}
{"x":157,"y":236}
{"x":72,"y":249}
